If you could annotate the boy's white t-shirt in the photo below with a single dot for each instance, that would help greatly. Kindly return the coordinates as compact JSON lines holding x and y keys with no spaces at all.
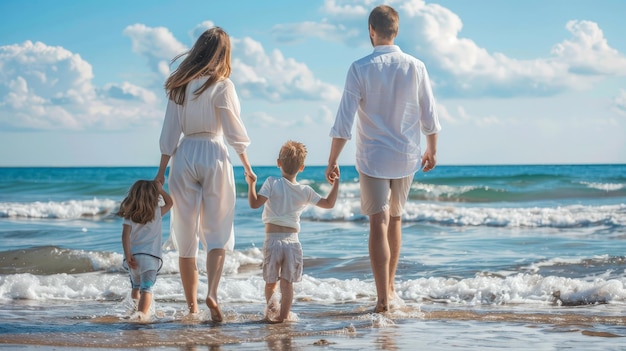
{"x":286,"y":201}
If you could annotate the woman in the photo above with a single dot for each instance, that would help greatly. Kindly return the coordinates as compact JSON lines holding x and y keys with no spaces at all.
{"x":204,"y":107}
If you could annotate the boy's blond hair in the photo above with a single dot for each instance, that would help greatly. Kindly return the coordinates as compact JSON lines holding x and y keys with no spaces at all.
{"x":292,"y":155}
{"x":384,"y":20}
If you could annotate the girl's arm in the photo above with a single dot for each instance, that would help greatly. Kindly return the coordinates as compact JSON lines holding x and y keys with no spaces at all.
{"x":329,"y":201}
{"x":167,"y":198}
{"x":160,"y":177}
{"x":130,"y":260}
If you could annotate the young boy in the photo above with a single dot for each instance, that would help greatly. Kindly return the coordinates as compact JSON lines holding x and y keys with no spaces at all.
{"x":284,"y":201}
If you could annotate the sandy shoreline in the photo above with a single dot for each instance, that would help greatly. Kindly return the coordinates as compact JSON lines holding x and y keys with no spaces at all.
{"x":348,"y":330}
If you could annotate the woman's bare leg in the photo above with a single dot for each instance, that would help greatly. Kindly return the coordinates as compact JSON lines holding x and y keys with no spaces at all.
{"x":214,"y":266}
{"x":189,"y":278}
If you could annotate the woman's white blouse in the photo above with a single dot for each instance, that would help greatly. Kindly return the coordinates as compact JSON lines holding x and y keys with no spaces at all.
{"x":215,"y":111}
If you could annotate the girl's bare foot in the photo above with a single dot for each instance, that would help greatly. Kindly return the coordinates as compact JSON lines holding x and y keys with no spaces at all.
{"x":214,"y":308}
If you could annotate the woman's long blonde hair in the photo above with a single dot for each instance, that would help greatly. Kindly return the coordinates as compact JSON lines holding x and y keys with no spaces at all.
{"x":141,"y":202}
{"x":209,"y":56}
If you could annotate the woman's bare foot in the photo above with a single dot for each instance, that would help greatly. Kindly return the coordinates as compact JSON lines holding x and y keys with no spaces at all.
{"x":214,"y":308}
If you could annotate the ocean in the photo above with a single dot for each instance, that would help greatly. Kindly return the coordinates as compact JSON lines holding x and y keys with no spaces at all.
{"x":526,"y":257}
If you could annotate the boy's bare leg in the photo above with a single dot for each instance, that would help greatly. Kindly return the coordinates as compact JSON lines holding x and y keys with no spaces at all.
{"x":380,"y":257}
{"x":286,"y":290}
{"x":214,"y":265}
{"x":394,"y":237}
{"x":270,"y":288}
{"x":189,"y":278}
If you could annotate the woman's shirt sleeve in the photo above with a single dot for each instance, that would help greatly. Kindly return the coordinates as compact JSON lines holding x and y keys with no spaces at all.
{"x":170,"y":133}
{"x":229,"y":112}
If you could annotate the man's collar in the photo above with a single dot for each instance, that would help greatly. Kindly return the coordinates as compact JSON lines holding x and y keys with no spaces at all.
{"x":387,"y":48}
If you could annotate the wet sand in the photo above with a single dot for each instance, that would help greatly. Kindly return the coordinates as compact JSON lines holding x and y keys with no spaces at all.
{"x":431,"y":327}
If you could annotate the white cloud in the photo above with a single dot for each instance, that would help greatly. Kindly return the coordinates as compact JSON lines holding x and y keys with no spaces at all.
{"x":49,"y":87}
{"x":158,"y":45}
{"x":199,"y":29}
{"x":461,"y":66}
{"x":588,"y":51}
{"x":295,"y":32}
{"x":255,"y":73}
{"x":620,"y":102}
{"x":274,"y":77}
{"x":348,"y":8}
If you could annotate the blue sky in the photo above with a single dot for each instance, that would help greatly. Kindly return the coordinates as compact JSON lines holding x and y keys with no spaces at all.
{"x":516,"y":82}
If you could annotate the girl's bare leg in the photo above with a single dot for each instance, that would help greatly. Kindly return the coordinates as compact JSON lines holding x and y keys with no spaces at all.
{"x":145,"y":300}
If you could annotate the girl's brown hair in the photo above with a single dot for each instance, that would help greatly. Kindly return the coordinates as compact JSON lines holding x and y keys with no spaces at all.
{"x":209,"y":56}
{"x":140,"y":203}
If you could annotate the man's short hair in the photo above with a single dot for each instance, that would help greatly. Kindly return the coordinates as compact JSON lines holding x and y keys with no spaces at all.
{"x":384,"y":20}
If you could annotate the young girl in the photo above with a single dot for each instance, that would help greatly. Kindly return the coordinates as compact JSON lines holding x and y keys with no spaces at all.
{"x":141,"y":239}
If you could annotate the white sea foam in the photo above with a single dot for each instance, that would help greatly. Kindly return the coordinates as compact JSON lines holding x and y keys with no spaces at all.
{"x":64,"y":210}
{"x":243,"y":283}
{"x":604,"y":186}
{"x":348,"y":209}
{"x":479,"y":290}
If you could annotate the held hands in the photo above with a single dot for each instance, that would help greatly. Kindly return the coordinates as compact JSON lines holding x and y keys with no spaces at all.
{"x":250,"y":176}
{"x":332,"y":173}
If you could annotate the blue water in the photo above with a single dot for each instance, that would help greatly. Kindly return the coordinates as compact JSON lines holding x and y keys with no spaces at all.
{"x":533,"y":239}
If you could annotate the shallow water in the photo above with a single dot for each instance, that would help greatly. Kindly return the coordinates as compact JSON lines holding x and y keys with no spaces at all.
{"x":523,"y":257}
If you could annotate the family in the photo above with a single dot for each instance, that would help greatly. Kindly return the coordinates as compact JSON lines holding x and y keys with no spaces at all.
{"x":390,"y":95}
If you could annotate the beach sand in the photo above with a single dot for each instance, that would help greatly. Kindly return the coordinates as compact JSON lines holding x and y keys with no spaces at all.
{"x":347,"y":327}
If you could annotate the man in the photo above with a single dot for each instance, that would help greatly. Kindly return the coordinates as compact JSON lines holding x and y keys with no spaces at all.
{"x":391,"y":94}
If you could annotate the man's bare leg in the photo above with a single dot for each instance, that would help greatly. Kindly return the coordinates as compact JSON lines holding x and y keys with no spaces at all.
{"x":394,"y":237}
{"x":189,"y":278}
{"x":214,"y":265}
{"x":379,"y":257}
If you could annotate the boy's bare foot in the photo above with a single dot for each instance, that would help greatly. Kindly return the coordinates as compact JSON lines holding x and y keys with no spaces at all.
{"x":214,"y":308}
{"x":272,"y":321}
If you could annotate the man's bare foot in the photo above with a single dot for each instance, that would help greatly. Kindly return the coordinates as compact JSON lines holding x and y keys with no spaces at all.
{"x":214,"y":308}
{"x":381,"y":307}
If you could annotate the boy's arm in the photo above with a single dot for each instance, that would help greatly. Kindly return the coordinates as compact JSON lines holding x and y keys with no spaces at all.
{"x":329,"y":201}
{"x":167,"y":198}
{"x":254,"y":199}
